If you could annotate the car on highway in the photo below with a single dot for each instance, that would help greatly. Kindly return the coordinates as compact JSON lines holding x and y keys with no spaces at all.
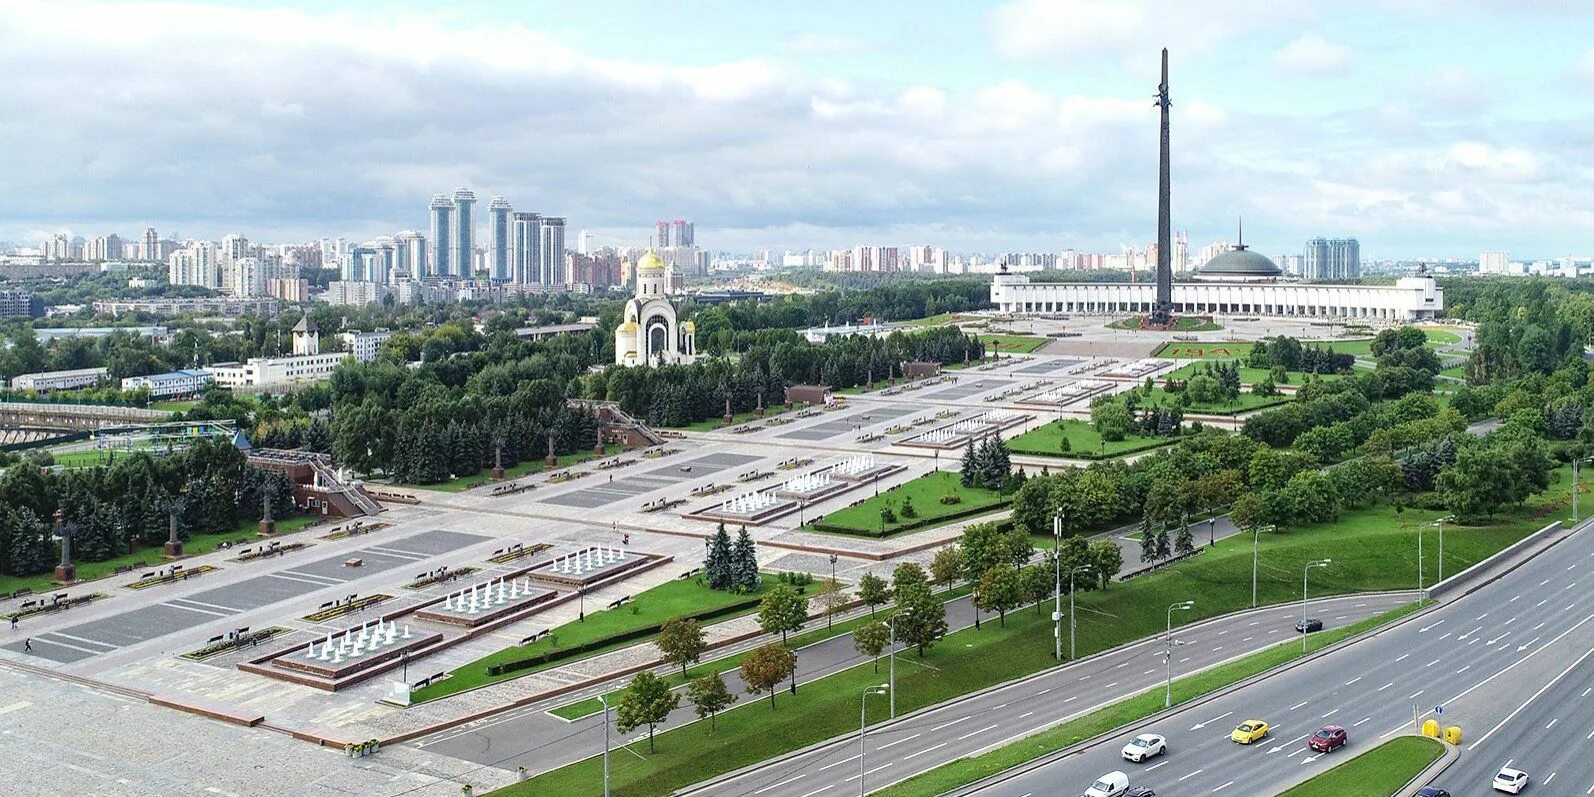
{"x":1432,"y":791}
{"x":1327,"y":739}
{"x":1144,"y":746}
{"x":1249,"y":731}
{"x":1510,"y":781}
{"x":1308,"y":626}
{"x":1112,"y":784}
{"x":1140,"y":791}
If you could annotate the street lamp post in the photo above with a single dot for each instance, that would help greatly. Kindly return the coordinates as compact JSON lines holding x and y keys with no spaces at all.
{"x":1057,"y":600}
{"x":1071,"y":624}
{"x":830,"y":616}
{"x":1441,"y":524}
{"x":604,"y":699}
{"x":1256,"y":536}
{"x":891,"y":665}
{"x":863,"y":703}
{"x":1304,"y":571}
{"x":1167,"y":652}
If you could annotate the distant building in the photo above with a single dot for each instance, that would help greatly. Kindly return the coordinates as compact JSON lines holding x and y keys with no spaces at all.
{"x":551,"y":257}
{"x":203,"y":305}
{"x":464,"y":231}
{"x":364,"y":346}
{"x":442,"y":210}
{"x":18,"y":303}
{"x":498,"y":235}
{"x":1327,"y":259}
{"x":1493,"y":263}
{"x":47,"y":381}
{"x":170,"y":385}
{"x":262,"y":372}
{"x":650,"y":333}
{"x":354,"y":293}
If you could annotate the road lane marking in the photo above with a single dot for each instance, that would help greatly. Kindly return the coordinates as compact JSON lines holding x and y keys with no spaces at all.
{"x":953,"y":722}
{"x":1331,"y":713}
{"x":816,"y":791}
{"x":911,"y":738}
{"x":837,"y":763}
{"x":1231,"y":783}
{"x":781,"y":783}
{"x":1361,"y":722}
{"x":1191,"y":775}
{"x":870,"y":772}
{"x":1298,"y":705}
{"x":975,"y":733}
{"x":1542,"y":690}
{"x":1353,"y":680}
{"x":925,"y":750}
{"x":1403,"y":657}
{"x":1386,"y":686}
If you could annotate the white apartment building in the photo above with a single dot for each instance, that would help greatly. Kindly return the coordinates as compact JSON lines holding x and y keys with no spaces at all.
{"x":365,"y":345}
{"x":263,"y":372}
{"x":46,"y":381}
{"x":168,"y":385}
{"x":1493,"y":263}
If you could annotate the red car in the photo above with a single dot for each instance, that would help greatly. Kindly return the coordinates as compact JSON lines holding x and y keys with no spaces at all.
{"x":1327,"y":738}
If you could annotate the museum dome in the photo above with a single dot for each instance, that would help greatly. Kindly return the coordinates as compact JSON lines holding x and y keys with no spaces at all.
{"x":650,"y":262}
{"x":1240,"y":262}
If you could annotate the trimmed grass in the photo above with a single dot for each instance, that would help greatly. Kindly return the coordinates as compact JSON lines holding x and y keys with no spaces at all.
{"x":1380,"y":772}
{"x":459,"y":484}
{"x":939,"y":319}
{"x":1083,"y":441}
{"x":1205,"y":351}
{"x":1250,"y":376}
{"x":667,"y":601}
{"x":1180,"y":324}
{"x":968,"y":770}
{"x":926,"y":492}
{"x":1373,"y":549}
{"x":173,"y":406}
{"x":1245,"y":402}
{"x":1014,"y":344}
{"x":151,"y":555}
{"x":1455,"y":372}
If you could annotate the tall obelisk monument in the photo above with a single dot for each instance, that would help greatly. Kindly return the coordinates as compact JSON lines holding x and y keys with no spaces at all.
{"x":1163,"y":312}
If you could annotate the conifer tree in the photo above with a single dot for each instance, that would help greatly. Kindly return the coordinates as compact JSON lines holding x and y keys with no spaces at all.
{"x":744,"y":558}
{"x":717,"y":564}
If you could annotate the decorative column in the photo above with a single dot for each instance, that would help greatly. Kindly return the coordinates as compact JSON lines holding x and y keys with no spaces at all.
{"x":498,"y":458}
{"x":729,"y":418}
{"x":891,"y":375}
{"x":66,"y":571}
{"x":550,"y":460}
{"x":597,"y":447}
{"x":174,"y":546}
{"x":268,"y":526}
{"x":870,"y":385}
{"x":760,"y":410}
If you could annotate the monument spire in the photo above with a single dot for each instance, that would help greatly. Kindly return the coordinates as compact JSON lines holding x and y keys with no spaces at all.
{"x":1162,"y":313}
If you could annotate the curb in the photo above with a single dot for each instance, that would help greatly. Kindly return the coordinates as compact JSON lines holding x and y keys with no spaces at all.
{"x":1433,"y":771}
{"x":1448,"y":754}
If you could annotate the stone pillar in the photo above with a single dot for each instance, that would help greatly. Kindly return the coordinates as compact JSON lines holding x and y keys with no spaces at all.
{"x":66,"y":571}
{"x":597,"y":447}
{"x":268,"y":526}
{"x":729,"y":418}
{"x":174,"y":546}
{"x":760,"y":410}
{"x":498,"y":459}
{"x":550,"y":460}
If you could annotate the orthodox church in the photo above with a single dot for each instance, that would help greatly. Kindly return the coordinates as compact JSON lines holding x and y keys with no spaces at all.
{"x":651,"y":334}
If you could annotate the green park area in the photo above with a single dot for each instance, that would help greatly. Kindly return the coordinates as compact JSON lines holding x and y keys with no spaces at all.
{"x":1245,"y":402}
{"x":1083,"y":442}
{"x":939,"y":319}
{"x":1373,"y":549}
{"x":173,"y":406}
{"x":1380,"y":772}
{"x":151,"y":555}
{"x":484,"y":476}
{"x":1204,"y":351}
{"x":1250,"y":376}
{"x":925,"y":501}
{"x":602,"y":630}
{"x":1180,"y":324}
{"x":1013,"y":344}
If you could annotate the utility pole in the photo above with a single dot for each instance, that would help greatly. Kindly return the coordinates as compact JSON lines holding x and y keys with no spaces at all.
{"x":1071,"y":624}
{"x":1057,"y":603}
{"x":1304,"y":571}
{"x":1167,"y":652}
{"x":604,"y":699}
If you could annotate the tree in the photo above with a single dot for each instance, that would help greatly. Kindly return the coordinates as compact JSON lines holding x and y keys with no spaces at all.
{"x":907,"y":508}
{"x":647,"y":700}
{"x":782,"y":611}
{"x":1110,"y":417}
{"x":1000,"y":589}
{"x":1149,"y":544}
{"x":765,"y":666}
{"x":832,"y":598}
{"x":871,"y":640}
{"x":1183,"y":541}
{"x":1203,"y":389}
{"x":1106,"y":559}
{"x":682,"y":642}
{"x":947,"y":565}
{"x":970,"y":471}
{"x":920,"y":618}
{"x":709,"y":696}
{"x":718,"y":567}
{"x":907,"y":576}
{"x":873,"y":591}
{"x":744,"y":562}
{"x":1037,"y":581}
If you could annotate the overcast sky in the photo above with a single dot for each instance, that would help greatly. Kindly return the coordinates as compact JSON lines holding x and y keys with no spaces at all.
{"x":1424,"y":128}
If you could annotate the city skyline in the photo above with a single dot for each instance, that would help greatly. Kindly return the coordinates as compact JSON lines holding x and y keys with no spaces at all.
{"x":819,"y":128}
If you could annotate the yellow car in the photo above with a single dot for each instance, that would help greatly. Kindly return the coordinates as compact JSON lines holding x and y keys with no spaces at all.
{"x":1249,"y":731}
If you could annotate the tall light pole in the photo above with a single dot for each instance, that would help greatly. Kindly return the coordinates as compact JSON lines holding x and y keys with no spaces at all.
{"x":1071,"y":624}
{"x":1304,"y":571}
{"x":1422,"y":594}
{"x":1167,"y":652}
{"x":1256,"y":536}
{"x":1441,"y":524}
{"x":863,"y":702}
{"x":891,"y":665}
{"x":1057,"y":600}
{"x":604,"y":699}
{"x":830,"y":616}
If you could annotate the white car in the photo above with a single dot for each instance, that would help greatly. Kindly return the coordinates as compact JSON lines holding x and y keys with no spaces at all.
{"x":1112,"y":784}
{"x":1144,"y":746}
{"x":1511,"y":781}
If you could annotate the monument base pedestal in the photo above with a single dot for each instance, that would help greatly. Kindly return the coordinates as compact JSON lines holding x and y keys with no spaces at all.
{"x":268,"y":528}
{"x":173,"y":549}
{"x":498,"y":474}
{"x":66,"y":574}
{"x":551,"y":461}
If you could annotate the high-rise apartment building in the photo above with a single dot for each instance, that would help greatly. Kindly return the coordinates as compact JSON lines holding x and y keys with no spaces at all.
{"x":1331,"y":259}
{"x":661,"y":234}
{"x":409,"y":254}
{"x":551,"y":265}
{"x":150,"y":247}
{"x":464,"y":231}
{"x":1493,"y":262}
{"x":498,"y":238}
{"x":527,"y":234}
{"x":681,"y":233}
{"x":194,"y":264}
{"x":442,"y":237}
{"x":102,"y":248}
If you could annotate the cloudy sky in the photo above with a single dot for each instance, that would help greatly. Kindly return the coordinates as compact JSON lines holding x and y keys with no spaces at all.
{"x":1425,"y":128}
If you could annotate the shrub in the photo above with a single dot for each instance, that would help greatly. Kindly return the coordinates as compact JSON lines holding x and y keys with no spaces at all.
{"x":951,"y":498}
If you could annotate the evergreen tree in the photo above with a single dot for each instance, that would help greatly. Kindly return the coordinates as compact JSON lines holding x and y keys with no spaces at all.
{"x":971,"y":465}
{"x":718,"y":564}
{"x":744,"y":559}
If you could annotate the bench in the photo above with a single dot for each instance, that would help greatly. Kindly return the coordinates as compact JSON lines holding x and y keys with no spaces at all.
{"x":354,"y":562}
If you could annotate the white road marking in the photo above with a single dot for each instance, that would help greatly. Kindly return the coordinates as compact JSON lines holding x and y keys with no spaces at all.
{"x":975,"y":733}
{"x":1361,"y":721}
{"x":1353,"y":680}
{"x":837,"y":763}
{"x":1298,"y":705}
{"x":1386,"y":686}
{"x":1191,"y":775}
{"x":1231,"y":783}
{"x":910,"y":738}
{"x":781,"y":783}
{"x":925,"y":750}
{"x":818,"y":790}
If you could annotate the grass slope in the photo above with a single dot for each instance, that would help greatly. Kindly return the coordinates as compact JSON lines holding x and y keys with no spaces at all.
{"x":1380,"y":772}
{"x":667,"y":601}
{"x":1013,"y":344}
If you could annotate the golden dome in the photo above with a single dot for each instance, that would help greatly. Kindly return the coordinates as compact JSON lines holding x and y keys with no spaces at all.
{"x":650,"y":262}
{"x":689,"y":326}
{"x":629,"y":326}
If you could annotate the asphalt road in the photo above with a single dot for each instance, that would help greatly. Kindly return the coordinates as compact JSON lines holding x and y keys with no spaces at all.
{"x":942,"y":734}
{"x":1481,"y":658}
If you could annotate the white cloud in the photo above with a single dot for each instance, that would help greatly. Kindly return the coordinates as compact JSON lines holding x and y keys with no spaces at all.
{"x":820,"y":44}
{"x":1062,"y":31}
{"x":1311,"y":54}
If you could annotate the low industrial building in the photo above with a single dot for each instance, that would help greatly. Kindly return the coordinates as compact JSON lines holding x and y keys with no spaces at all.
{"x":170,"y":385}
{"x":46,"y":381}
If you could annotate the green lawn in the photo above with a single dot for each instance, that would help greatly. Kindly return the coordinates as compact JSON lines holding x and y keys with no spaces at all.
{"x":1014,"y":344}
{"x":939,"y":319}
{"x":926,"y":492}
{"x":1180,"y":324}
{"x":1363,"y":347}
{"x":1245,"y":402}
{"x":1373,"y":549}
{"x":1457,"y":372}
{"x":1379,"y":772}
{"x":460,"y":484}
{"x":1250,"y":376}
{"x":967,"y":770}
{"x":151,"y":555}
{"x":1205,"y":351}
{"x":173,"y":406}
{"x":1083,"y":441}
{"x":667,"y":601}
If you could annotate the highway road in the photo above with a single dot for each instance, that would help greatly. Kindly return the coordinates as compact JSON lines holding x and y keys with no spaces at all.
{"x":1482,"y":658}
{"x":942,"y":734}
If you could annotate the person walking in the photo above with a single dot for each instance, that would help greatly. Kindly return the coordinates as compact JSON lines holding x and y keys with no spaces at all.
{"x":13,"y":622}
{"x":27,"y":646}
